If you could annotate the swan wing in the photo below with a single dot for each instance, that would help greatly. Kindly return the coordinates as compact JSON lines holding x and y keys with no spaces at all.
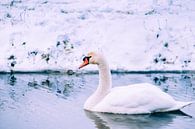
{"x":136,"y":99}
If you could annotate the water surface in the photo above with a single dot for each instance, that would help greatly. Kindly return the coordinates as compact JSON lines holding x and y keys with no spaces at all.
{"x":55,"y":101}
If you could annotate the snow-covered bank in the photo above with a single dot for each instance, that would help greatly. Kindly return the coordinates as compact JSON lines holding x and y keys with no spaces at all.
{"x":38,"y":35}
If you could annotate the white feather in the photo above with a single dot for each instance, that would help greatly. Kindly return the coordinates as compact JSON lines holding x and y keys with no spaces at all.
{"x":132,"y":99}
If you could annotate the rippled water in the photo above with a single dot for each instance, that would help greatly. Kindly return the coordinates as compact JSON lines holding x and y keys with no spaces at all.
{"x":55,"y":101}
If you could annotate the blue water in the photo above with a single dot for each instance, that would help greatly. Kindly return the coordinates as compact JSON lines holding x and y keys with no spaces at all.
{"x":55,"y":101}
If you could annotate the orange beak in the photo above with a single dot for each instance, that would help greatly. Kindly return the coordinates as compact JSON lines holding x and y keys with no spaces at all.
{"x":85,"y":62}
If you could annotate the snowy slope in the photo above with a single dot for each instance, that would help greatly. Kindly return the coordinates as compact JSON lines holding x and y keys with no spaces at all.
{"x":134,"y":35}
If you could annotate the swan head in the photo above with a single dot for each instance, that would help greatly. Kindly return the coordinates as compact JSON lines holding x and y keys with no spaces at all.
{"x":91,"y":58}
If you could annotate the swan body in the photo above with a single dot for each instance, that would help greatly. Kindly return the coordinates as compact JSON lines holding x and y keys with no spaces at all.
{"x":136,"y":99}
{"x":132,"y":99}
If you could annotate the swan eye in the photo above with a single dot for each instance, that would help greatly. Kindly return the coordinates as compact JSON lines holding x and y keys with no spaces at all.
{"x":86,"y":57}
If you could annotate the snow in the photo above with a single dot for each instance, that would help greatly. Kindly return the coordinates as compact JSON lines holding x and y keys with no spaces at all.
{"x":134,"y":35}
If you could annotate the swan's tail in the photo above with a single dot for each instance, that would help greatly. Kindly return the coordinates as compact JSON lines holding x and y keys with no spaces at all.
{"x":181,"y":105}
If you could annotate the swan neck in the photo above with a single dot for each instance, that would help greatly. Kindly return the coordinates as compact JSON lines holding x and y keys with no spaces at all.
{"x":104,"y":85}
{"x":104,"y":78}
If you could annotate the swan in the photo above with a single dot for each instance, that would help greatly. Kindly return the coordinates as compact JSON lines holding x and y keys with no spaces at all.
{"x":140,"y":98}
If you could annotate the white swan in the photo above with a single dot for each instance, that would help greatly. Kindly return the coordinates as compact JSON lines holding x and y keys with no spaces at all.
{"x":132,"y":99}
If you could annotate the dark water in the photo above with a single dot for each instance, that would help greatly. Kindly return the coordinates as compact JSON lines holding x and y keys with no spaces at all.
{"x":55,"y":101}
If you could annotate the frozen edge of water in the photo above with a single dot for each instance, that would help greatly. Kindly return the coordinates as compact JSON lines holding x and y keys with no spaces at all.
{"x":77,"y":72}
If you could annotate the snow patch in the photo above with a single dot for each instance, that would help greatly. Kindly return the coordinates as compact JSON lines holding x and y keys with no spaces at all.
{"x":134,"y":35}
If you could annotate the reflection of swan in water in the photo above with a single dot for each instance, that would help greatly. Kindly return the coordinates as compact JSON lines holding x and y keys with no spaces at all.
{"x":119,"y":121}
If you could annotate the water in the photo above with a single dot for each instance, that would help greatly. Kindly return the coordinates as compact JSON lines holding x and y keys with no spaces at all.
{"x":55,"y":101}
